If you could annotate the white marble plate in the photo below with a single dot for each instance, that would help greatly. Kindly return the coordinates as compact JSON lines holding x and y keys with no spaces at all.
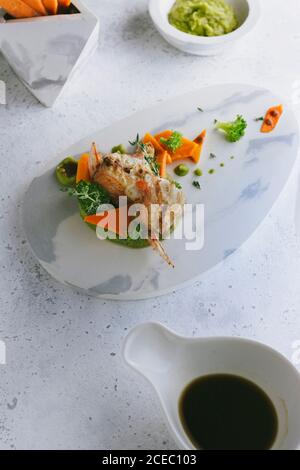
{"x":237,"y":197}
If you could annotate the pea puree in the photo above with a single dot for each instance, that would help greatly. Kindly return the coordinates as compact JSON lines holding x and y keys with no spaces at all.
{"x":203,"y":17}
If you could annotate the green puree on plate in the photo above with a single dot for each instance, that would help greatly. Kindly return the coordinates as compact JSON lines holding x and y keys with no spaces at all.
{"x":203,"y":17}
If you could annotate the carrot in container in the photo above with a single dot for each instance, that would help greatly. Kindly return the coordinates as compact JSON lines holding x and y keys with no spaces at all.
{"x":18,"y":9}
{"x":37,"y":5}
{"x":51,"y":6}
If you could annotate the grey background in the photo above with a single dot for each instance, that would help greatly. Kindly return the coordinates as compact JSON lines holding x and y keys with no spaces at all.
{"x":64,"y":385}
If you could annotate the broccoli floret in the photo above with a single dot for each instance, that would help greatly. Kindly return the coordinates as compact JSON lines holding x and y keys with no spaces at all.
{"x":234,"y":130}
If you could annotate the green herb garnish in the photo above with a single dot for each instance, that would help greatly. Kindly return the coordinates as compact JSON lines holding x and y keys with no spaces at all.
{"x":90,"y":196}
{"x":135,"y":142}
{"x":196,"y":184}
{"x":174,"y":142}
{"x":211,"y":171}
{"x":212,"y":155}
{"x":198,"y":172}
{"x":152,"y":163}
{"x":261,"y":118}
{"x":150,"y":159}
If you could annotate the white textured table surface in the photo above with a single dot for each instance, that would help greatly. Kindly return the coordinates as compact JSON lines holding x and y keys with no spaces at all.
{"x":64,"y":385}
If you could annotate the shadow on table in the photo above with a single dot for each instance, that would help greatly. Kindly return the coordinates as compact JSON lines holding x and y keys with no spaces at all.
{"x":140,"y":29}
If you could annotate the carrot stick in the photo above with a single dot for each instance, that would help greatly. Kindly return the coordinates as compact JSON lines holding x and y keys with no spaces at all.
{"x":94,"y":219}
{"x":111,"y":220}
{"x":83,"y":168}
{"x":200,"y":142}
{"x":18,"y":9}
{"x":149,"y":139}
{"x":37,"y":5}
{"x":159,"y":150}
{"x":162,"y":160}
{"x":51,"y":6}
{"x":161,"y":154}
{"x":272,"y":118}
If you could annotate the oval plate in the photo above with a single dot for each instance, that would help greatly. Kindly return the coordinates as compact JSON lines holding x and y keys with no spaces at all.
{"x":237,"y":196}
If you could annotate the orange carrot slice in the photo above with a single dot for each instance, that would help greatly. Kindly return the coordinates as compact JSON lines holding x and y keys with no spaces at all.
{"x":149,"y":139}
{"x":51,"y":6}
{"x":272,"y":118}
{"x":200,"y":138}
{"x":165,"y":134}
{"x":200,"y":142}
{"x":159,"y":150}
{"x":111,"y":220}
{"x":161,"y":155}
{"x":37,"y":5}
{"x":187,"y":149}
{"x":162,"y":160}
{"x":83,"y":168}
{"x":18,"y":9}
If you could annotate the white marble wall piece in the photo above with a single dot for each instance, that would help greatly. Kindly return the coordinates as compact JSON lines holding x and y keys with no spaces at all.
{"x":45,"y":52}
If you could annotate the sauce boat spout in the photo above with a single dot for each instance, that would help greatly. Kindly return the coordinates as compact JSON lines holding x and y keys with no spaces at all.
{"x":151,"y":350}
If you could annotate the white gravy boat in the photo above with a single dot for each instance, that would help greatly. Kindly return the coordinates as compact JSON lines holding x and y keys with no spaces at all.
{"x":170,"y":362}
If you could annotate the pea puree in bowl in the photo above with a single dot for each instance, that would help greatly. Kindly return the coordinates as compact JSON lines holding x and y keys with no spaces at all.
{"x":203,"y":17}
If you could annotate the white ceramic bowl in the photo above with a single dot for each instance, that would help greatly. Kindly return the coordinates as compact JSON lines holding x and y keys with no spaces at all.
{"x":170,"y":362}
{"x":247,"y":12}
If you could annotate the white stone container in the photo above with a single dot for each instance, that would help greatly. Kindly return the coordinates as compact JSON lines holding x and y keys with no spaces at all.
{"x":45,"y":52}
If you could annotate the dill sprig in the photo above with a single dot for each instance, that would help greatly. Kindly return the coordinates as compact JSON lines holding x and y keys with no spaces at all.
{"x":135,"y":142}
{"x":150,"y":159}
{"x":152,"y":163}
{"x":144,"y":149}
